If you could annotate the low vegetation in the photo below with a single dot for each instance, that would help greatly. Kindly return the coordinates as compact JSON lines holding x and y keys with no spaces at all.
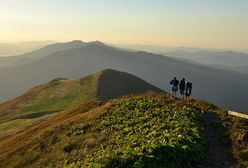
{"x":147,"y":130}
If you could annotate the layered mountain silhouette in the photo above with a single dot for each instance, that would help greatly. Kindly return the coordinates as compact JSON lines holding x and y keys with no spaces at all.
{"x":61,"y":94}
{"x":223,"y":87}
{"x":229,"y":60}
{"x":241,"y":69}
{"x":37,"y":54}
{"x":10,"y":49}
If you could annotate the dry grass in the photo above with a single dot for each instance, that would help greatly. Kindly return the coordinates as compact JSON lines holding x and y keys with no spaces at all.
{"x":238,"y":129}
{"x":13,"y":145}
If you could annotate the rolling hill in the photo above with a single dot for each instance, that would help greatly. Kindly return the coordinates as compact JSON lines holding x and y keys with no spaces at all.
{"x":60,"y":94}
{"x":223,"y":87}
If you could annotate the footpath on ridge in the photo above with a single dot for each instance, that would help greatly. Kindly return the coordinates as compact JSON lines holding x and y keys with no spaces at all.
{"x":218,"y":154}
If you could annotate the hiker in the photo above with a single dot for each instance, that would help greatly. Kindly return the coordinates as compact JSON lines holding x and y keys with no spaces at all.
{"x":182,"y":88}
{"x":174,"y":86}
{"x":188,"y":90}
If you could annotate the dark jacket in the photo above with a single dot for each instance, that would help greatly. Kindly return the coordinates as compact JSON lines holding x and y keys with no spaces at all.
{"x":174,"y":82}
{"x":182,"y":84}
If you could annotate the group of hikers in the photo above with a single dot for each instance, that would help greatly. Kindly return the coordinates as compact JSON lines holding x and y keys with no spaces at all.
{"x":184,"y":87}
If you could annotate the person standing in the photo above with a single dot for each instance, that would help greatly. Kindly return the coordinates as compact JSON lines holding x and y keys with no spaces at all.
{"x":182,"y":88}
{"x":188,"y":90}
{"x":174,"y":86}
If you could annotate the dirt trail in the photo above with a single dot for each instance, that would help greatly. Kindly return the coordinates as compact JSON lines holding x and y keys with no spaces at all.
{"x":218,"y":154}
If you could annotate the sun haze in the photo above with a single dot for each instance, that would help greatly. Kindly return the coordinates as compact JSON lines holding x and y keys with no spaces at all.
{"x":191,"y":23}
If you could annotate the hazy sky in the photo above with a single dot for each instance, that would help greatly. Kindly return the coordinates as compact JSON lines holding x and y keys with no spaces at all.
{"x":189,"y":23}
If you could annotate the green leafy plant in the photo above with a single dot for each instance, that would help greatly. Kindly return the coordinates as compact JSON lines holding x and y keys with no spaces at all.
{"x":145,"y":131}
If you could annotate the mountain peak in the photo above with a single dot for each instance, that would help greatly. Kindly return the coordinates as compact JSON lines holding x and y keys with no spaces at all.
{"x":97,"y":42}
{"x":77,"y":42}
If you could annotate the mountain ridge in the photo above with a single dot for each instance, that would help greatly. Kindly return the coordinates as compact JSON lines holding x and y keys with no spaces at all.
{"x":207,"y":57}
{"x":43,"y":52}
{"x":12,"y":49}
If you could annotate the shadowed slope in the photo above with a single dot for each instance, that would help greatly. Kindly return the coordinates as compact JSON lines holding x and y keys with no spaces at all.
{"x":114,"y":84}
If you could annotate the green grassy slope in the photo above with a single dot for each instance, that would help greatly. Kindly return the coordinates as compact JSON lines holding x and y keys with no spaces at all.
{"x":61,"y":94}
{"x":148,"y":130}
{"x":53,"y":97}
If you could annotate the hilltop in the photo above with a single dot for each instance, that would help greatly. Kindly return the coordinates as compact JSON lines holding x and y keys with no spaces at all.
{"x":60,"y":94}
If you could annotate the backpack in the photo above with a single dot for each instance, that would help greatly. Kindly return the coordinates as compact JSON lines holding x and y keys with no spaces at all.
{"x":176,"y":82}
{"x":182,"y":84}
{"x":189,"y":85}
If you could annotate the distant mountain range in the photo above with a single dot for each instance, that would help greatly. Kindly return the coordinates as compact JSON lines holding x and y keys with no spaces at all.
{"x":242,"y":69}
{"x":10,"y":49}
{"x":76,"y":59}
{"x":37,"y":54}
{"x":217,"y":58}
{"x":231,"y":60}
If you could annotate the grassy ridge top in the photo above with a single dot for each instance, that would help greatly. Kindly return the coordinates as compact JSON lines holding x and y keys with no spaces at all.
{"x":143,"y":130}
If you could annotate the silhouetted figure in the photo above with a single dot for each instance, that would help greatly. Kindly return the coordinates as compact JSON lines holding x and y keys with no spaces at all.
{"x":188,"y":90}
{"x":174,"y":86}
{"x":182,"y":87}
